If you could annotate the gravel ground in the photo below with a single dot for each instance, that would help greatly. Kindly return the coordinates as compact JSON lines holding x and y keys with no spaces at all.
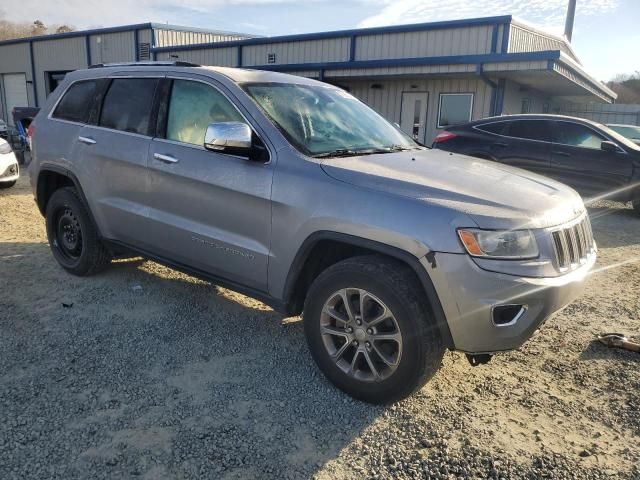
{"x":143,"y":372}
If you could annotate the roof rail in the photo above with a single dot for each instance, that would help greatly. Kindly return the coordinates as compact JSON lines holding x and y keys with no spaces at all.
{"x":146,"y":64}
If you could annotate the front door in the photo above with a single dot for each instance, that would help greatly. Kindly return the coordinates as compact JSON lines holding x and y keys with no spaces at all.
{"x":209,"y":211}
{"x":413,"y":114}
{"x":578,"y":160}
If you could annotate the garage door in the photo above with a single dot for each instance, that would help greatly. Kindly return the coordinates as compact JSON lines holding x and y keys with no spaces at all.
{"x":15,"y":92}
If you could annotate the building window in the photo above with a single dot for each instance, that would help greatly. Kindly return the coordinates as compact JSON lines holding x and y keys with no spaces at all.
{"x":454,"y":109}
{"x":54,"y":79}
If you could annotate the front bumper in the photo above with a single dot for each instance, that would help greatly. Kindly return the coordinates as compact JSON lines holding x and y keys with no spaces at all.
{"x":9,"y":170}
{"x":468,"y":295}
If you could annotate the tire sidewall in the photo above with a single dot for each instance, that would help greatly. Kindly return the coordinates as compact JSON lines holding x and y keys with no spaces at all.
{"x":61,"y":199}
{"x":413,"y":326}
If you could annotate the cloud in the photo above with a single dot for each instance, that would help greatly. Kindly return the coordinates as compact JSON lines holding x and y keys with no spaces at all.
{"x":547,"y":13}
{"x":97,"y":13}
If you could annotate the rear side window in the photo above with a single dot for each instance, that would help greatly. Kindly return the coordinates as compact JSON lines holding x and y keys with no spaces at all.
{"x":496,"y":127}
{"x":577,"y":135}
{"x":530,"y":130}
{"x":76,"y":103}
{"x":192,"y":107}
{"x":127,"y":105}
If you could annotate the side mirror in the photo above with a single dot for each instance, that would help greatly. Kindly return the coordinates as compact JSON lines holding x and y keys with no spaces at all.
{"x":610,"y":147}
{"x":234,"y":138}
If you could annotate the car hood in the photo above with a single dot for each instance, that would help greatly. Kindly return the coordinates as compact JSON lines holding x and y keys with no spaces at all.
{"x":492,"y":194}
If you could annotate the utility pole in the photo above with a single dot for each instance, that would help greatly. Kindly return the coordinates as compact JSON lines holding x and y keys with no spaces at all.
{"x":571,"y":15}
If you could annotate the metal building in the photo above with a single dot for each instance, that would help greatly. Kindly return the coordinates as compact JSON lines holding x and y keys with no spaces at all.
{"x":422,"y":76}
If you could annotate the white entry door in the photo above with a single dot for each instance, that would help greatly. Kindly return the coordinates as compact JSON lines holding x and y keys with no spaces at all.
{"x":413,"y":116}
{"x":15,"y":92}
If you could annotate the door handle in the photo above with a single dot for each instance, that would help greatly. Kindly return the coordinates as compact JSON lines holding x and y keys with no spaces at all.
{"x":500,"y":144}
{"x":561,"y":154}
{"x":87,"y":140}
{"x":165,"y":158}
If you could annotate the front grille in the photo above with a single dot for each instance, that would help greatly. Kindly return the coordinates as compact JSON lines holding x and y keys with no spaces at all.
{"x":573,"y":244}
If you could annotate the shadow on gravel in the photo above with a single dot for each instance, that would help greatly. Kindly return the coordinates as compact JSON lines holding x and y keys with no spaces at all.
{"x":596,"y":351}
{"x":154,"y":374}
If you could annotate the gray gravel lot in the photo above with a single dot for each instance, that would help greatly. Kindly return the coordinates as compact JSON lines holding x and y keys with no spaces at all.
{"x":149,"y":373}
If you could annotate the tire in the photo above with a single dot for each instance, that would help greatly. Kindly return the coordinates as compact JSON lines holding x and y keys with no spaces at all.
{"x":72,"y":235}
{"x":636,"y":205}
{"x":385,"y":283}
{"x":4,"y":185}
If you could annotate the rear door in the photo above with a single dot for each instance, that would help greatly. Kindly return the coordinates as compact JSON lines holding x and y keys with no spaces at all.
{"x":112,"y":157}
{"x":524,"y":144}
{"x":579,"y":161}
{"x":210,"y":211}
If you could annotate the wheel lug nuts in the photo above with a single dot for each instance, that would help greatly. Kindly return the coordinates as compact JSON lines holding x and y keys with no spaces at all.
{"x":370,"y":331}
{"x":368,"y":345}
{"x":355,"y":343}
{"x":348,"y":329}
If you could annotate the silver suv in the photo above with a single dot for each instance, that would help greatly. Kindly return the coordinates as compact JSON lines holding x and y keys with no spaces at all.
{"x":294,"y":192}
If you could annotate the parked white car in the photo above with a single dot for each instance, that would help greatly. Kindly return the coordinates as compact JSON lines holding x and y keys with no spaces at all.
{"x":9,"y":169}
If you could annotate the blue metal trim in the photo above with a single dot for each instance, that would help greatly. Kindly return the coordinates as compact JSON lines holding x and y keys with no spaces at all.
{"x":348,"y":33}
{"x":136,"y":43}
{"x":33,"y":74}
{"x":506,"y":33}
{"x":404,"y":62}
{"x":153,"y":44}
{"x":500,"y":96}
{"x":550,"y":64}
{"x":494,"y":38}
{"x":87,"y":47}
{"x":352,"y":48}
{"x":321,"y":75}
{"x":239,"y":60}
{"x":81,"y":33}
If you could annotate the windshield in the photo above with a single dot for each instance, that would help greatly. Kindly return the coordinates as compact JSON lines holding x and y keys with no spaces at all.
{"x":628,"y":131}
{"x":326,"y":121}
{"x":619,"y":138}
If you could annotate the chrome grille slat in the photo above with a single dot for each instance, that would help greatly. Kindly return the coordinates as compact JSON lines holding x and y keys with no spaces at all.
{"x":573,"y":244}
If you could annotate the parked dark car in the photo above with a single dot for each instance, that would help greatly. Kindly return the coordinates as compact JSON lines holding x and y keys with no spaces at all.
{"x":588,"y":156}
{"x":632,"y":132}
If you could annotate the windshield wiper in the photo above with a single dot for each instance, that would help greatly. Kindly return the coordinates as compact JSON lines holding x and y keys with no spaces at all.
{"x":348,"y":152}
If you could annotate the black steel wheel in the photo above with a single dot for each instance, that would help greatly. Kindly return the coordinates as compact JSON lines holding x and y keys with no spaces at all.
{"x":73,"y":237}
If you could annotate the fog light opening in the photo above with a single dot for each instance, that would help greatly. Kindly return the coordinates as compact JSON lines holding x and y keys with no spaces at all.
{"x":507,"y":315}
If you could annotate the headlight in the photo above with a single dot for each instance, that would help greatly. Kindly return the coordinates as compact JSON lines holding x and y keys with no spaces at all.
{"x":4,"y":148}
{"x":509,"y":244}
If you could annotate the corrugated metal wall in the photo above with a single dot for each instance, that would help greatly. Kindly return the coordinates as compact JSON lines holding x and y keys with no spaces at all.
{"x":515,"y":98}
{"x":223,"y":57}
{"x":306,"y":51}
{"x":604,"y":113}
{"x":523,"y":39}
{"x":170,"y":37}
{"x":113,"y":47}
{"x":388,"y":100}
{"x":15,"y":59}
{"x":428,"y":43}
{"x":57,"y":55}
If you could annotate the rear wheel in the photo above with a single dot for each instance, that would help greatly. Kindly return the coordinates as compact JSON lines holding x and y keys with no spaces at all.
{"x":636,"y":205}
{"x":370,"y":330}
{"x":72,"y":236}
{"x":7,"y":184}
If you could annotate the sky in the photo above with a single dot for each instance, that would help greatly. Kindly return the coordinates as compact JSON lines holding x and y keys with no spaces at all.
{"x":606,"y":33}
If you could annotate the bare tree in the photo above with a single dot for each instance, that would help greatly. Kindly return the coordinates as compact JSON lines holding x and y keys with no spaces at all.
{"x":10,"y":30}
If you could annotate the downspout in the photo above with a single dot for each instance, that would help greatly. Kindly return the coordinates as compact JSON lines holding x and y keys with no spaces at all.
{"x":494,"y":89}
{"x":33,"y":73}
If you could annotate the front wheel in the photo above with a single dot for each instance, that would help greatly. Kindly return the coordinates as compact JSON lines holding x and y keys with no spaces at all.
{"x":370,"y":329}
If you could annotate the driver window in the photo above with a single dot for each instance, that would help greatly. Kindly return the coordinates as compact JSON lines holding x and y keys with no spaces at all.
{"x":577,"y":135}
{"x":192,"y":107}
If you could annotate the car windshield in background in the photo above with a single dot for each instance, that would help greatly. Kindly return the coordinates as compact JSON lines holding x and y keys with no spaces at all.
{"x":620,"y":138}
{"x":628,"y":131}
{"x":326,"y":121}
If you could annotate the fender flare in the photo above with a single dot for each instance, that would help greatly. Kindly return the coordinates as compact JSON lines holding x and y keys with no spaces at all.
{"x":405,"y":257}
{"x":47,"y":167}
